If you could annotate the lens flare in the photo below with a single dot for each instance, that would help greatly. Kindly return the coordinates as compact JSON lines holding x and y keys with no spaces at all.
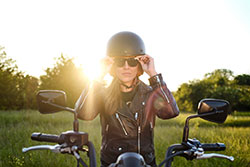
{"x":92,"y":70}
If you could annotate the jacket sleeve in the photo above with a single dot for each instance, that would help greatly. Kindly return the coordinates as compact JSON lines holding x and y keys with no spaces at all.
{"x":90,"y":102}
{"x":163,"y":103}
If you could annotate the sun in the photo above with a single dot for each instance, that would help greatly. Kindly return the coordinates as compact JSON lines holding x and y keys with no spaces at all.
{"x":92,"y":69}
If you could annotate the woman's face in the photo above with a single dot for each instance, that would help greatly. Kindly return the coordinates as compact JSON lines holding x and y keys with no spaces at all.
{"x":126,"y":73}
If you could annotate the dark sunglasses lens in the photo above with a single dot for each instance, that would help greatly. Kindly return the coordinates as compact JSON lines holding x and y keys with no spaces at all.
{"x":120,"y":62}
{"x":132,"y":62}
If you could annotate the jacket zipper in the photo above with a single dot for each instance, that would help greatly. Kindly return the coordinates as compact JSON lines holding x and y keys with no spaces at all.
{"x":139,"y":139}
{"x":107,"y":127}
{"x":164,"y":94}
{"x":138,"y":129}
{"x":120,"y":121}
{"x":139,"y":133}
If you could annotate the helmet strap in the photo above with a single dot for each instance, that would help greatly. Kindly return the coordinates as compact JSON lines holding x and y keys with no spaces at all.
{"x":127,"y":87}
{"x":134,"y":83}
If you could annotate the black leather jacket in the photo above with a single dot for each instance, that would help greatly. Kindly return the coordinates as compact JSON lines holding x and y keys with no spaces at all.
{"x":130,"y":129}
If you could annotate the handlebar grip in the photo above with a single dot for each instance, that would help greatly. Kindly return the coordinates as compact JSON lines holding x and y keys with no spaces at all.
{"x":213,"y":146}
{"x":45,"y":137}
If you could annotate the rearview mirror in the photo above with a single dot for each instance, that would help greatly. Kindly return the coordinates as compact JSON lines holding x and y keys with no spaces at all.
{"x":51,"y":101}
{"x":214,"y":110}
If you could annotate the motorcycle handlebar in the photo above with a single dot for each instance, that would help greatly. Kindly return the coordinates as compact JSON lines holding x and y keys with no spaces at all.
{"x":46,"y":137}
{"x":213,"y":146}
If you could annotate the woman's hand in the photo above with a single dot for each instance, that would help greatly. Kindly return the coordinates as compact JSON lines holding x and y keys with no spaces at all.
{"x":147,"y":64}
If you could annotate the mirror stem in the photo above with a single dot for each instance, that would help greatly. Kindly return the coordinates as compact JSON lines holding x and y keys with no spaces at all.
{"x":186,"y":128}
{"x":185,"y":134}
{"x":75,"y":123}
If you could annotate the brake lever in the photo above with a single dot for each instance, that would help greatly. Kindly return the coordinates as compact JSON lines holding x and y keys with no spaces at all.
{"x":56,"y":148}
{"x":211,"y":155}
{"x":199,"y":154}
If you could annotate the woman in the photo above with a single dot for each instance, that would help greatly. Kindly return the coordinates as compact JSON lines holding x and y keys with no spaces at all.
{"x":128,"y":107}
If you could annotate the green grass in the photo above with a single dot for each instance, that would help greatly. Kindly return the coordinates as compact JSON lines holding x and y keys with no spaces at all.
{"x":17,"y":126}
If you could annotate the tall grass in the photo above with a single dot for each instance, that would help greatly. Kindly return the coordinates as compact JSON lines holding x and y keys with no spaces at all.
{"x":17,"y":126}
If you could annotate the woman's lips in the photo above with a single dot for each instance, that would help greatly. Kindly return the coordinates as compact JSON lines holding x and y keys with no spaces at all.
{"x":126,"y":73}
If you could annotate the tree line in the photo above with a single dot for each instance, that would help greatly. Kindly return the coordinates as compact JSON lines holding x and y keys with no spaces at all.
{"x":18,"y":91}
{"x":219,"y":84}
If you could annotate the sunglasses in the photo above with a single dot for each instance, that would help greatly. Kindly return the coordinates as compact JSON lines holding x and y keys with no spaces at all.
{"x":120,"y":62}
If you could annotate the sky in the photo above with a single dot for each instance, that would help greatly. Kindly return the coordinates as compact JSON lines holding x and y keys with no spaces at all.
{"x":187,"y":39}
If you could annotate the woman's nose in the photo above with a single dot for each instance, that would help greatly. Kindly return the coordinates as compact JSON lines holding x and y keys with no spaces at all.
{"x":126,"y":64}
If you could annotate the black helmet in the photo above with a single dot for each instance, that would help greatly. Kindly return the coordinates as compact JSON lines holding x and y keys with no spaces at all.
{"x":125,"y":43}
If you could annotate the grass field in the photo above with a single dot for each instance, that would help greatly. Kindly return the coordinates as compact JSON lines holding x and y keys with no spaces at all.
{"x":17,"y":126}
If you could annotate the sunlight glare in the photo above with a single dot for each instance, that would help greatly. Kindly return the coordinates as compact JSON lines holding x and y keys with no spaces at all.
{"x":92,"y":70}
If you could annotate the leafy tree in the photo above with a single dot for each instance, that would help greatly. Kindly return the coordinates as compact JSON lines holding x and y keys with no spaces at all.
{"x":219,"y":77}
{"x":182,"y":97}
{"x":243,"y":79}
{"x":222,"y":86}
{"x":65,"y":76}
{"x":16,"y":90}
{"x":8,"y":82}
{"x":219,"y":84}
{"x":28,"y":87}
{"x":243,"y":85}
{"x":189,"y":94}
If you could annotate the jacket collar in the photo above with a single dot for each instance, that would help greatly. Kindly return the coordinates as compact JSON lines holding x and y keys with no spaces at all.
{"x":137,"y":103}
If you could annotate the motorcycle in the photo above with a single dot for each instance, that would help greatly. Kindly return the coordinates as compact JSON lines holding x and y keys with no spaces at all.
{"x":72,"y":142}
{"x":214,"y":110}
